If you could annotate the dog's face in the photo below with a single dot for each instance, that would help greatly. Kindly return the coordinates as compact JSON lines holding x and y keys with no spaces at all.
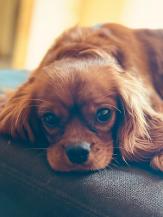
{"x":86,"y":99}
{"x":77,"y":109}
{"x":81,"y":109}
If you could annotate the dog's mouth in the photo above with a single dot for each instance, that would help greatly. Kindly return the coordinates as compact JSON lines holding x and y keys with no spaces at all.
{"x":79,"y":157}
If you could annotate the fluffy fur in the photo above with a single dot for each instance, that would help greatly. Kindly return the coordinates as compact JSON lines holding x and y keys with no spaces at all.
{"x":86,"y":69}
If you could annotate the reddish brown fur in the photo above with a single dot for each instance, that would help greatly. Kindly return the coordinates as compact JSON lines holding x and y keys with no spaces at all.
{"x":86,"y":69}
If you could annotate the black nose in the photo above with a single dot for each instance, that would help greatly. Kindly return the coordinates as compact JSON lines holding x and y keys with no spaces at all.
{"x":78,"y":153}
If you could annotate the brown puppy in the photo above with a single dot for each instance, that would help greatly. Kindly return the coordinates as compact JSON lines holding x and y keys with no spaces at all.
{"x":97,"y":89}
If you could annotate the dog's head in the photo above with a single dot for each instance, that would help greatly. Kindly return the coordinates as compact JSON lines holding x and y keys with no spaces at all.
{"x":82,"y":106}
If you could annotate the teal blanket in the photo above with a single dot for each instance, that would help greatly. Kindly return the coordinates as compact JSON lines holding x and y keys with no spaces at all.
{"x":10,"y":79}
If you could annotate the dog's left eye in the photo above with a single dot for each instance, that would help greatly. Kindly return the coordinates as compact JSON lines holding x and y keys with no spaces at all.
{"x":50,"y":119}
{"x":103,"y":115}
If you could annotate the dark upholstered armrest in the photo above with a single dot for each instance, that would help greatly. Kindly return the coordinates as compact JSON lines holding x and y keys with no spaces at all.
{"x":29,"y":188}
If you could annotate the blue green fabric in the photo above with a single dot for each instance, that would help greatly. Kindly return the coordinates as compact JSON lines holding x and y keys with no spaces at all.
{"x":10,"y":79}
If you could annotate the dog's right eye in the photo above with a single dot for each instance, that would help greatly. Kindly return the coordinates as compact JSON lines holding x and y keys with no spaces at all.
{"x":103,"y":115}
{"x":50,"y":119}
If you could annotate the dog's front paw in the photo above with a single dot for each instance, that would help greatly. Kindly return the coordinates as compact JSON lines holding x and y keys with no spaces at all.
{"x":157,"y":162}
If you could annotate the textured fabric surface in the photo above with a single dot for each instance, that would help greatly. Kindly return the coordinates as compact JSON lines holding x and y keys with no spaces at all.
{"x":29,"y":188}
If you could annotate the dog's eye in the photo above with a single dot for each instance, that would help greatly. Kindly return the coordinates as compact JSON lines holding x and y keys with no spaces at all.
{"x":103,"y":115}
{"x":50,"y":119}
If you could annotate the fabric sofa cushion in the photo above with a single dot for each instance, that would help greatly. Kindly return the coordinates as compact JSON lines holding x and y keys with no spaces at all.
{"x":30,"y":188}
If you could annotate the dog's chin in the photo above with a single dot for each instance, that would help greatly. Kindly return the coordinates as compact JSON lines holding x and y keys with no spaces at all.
{"x":76,"y":168}
{"x":63,"y":165}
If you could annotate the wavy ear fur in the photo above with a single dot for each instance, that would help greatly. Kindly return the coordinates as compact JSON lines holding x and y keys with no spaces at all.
{"x":151,"y":42}
{"x":141,"y":131}
{"x":18,"y":118}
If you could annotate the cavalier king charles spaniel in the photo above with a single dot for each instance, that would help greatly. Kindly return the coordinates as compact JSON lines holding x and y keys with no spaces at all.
{"x":97,"y":90}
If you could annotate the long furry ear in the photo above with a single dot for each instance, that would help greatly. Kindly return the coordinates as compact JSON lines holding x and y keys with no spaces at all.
{"x":141,"y":130}
{"x":151,"y":43}
{"x":18,"y":118}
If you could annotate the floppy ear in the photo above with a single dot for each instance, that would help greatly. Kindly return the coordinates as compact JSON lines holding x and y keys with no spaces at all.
{"x":18,"y":117}
{"x":152,"y":43}
{"x":141,"y":128}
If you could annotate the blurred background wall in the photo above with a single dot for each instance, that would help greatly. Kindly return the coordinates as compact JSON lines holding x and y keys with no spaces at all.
{"x":29,"y":27}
